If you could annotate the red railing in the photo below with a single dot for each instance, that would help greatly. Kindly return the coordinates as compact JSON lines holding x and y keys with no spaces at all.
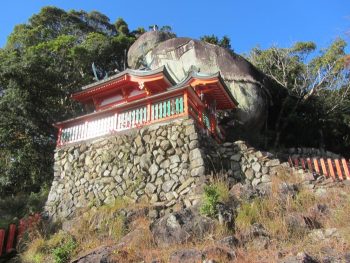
{"x":119,"y":121}
{"x":335,"y":168}
{"x":9,"y":238}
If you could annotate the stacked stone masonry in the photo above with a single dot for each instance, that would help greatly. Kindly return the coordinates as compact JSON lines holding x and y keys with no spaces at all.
{"x":162,"y":164}
{"x":158,"y":164}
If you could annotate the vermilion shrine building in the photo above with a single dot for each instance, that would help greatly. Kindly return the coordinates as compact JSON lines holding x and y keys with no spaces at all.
{"x":134,"y":98}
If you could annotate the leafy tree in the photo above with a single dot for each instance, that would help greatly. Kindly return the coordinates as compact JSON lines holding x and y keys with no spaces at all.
{"x":224,"y":42}
{"x":319,"y":87}
{"x":121,"y":26}
{"x":43,"y":62}
{"x":166,"y":29}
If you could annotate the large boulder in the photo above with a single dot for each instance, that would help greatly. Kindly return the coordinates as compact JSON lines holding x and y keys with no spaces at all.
{"x":181,"y":55}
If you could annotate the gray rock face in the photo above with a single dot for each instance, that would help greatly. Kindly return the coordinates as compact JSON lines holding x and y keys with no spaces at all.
{"x":180,"y":55}
{"x":180,"y":227}
{"x":100,"y":254}
{"x":186,"y":256}
{"x":299,"y":258}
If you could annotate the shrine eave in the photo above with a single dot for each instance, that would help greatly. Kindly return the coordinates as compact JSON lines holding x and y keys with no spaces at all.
{"x":213,"y":85}
{"x":160,"y":75}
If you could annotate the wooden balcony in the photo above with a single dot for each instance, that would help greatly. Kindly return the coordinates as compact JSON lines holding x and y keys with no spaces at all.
{"x":116,"y":120}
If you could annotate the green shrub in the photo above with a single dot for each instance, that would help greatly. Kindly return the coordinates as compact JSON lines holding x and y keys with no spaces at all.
{"x":218,"y":191}
{"x":62,"y":253}
{"x":210,"y":200}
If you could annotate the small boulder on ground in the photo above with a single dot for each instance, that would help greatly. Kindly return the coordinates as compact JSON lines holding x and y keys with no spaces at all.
{"x":180,"y":227}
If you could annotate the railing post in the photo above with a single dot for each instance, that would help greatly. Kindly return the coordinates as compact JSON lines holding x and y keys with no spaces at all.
{"x":303,"y":165}
{"x":317,"y":168}
{"x":212,"y":124}
{"x":86,"y":125}
{"x":296,"y":163}
{"x":323,"y":166}
{"x":309,"y":164}
{"x":200,"y":115}
{"x":11,"y":238}
{"x":115,"y":124}
{"x":148,"y":112}
{"x":186,"y":102}
{"x":59,"y":136}
{"x":330,"y":167}
{"x":346,"y":168}
{"x":2,"y":240}
{"x":337,"y":166}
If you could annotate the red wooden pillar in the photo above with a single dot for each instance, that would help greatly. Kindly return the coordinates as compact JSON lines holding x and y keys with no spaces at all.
{"x":324,"y":169}
{"x":339,"y":172}
{"x":2,"y":240}
{"x":309,"y":164}
{"x":186,"y":102}
{"x":296,"y":162}
{"x":11,"y":238}
{"x":317,"y":168}
{"x":212,"y":124}
{"x":149,"y":109}
{"x":346,"y":168}
{"x":59,"y":142}
{"x":303,"y":164}
{"x":200,"y":116}
{"x":330,"y":167}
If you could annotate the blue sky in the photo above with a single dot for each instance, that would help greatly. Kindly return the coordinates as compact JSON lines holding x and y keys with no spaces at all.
{"x":247,"y":23}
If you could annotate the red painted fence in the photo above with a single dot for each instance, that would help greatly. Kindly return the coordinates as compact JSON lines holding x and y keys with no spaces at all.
{"x":14,"y":233}
{"x":335,"y":168}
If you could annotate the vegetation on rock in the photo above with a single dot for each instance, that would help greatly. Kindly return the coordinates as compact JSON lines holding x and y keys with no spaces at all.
{"x":289,"y":220}
{"x":316,"y":112}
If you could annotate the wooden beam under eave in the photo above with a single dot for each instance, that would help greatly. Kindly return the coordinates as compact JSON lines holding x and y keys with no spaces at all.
{"x":146,"y":78}
{"x":197,"y":82}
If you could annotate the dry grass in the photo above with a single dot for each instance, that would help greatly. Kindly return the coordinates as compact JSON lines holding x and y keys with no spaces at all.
{"x":95,"y":227}
{"x":272,"y":212}
{"x":105,"y":225}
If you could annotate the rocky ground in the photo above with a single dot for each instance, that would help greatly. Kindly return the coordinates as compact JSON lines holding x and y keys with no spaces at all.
{"x":294,"y":218}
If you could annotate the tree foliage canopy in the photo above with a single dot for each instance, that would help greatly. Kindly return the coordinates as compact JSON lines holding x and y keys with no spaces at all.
{"x":224,"y":42}
{"x":43,"y":62}
{"x":317,"y":112}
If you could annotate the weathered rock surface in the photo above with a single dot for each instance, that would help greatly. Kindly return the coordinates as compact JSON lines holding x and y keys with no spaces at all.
{"x":139,"y":165}
{"x":180,"y":227}
{"x":101,"y":254}
{"x":181,"y":55}
{"x":299,"y":258}
{"x":186,"y":256}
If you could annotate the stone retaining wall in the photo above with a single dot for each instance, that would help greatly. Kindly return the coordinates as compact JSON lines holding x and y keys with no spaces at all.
{"x":163,"y":164}
{"x":242,"y":163}
{"x":157,"y":163}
